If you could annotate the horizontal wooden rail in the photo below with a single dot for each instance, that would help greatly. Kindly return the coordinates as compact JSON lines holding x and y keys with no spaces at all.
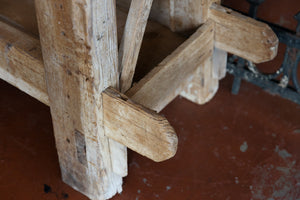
{"x":21,"y":62}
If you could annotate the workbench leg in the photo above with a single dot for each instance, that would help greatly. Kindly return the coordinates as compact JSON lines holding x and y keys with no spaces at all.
{"x":205,"y":82}
{"x":79,"y":46}
{"x":203,"y":85}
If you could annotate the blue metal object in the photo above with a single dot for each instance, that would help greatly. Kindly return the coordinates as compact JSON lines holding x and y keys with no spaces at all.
{"x":284,"y":81}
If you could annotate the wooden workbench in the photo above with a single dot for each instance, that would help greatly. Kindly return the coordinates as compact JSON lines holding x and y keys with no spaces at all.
{"x":72,"y":63}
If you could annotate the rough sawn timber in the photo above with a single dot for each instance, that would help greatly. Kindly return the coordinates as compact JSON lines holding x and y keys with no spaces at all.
{"x":13,"y":37}
{"x":21,"y":62}
{"x":132,"y":40}
{"x":79,"y":46}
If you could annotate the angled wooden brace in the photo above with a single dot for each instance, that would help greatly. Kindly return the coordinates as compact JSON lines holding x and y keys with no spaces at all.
{"x":234,"y":33}
{"x":132,"y":40}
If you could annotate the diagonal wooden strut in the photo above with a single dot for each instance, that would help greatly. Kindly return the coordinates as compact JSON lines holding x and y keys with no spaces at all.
{"x":166,"y":81}
{"x":132,"y":40}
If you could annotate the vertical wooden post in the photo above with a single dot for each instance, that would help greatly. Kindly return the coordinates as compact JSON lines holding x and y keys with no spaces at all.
{"x":205,"y":82}
{"x":79,"y":46}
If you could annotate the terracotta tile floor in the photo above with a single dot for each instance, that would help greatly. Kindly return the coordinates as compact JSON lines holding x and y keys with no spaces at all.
{"x":232,"y":148}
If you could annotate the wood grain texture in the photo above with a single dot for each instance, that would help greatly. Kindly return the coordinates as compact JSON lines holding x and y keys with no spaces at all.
{"x":162,"y":133}
{"x":39,"y":84}
{"x":166,"y":81}
{"x":188,"y":14}
{"x":79,"y":45}
{"x":243,"y":36}
{"x":138,"y":127}
{"x":21,"y":62}
{"x":132,"y":40}
{"x":178,"y":15}
{"x":160,"y":10}
{"x":205,"y":83}
{"x":165,"y":41}
{"x":203,"y":86}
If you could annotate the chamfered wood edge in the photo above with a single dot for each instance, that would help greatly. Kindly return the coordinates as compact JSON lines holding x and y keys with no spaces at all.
{"x":137,"y":123}
{"x":242,"y":35}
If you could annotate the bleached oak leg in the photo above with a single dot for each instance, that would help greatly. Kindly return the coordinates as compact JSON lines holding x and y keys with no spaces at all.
{"x":79,"y":46}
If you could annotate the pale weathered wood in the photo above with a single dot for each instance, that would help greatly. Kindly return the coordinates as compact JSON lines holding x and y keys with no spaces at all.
{"x":138,"y":127}
{"x":182,"y":16}
{"x":39,"y":71}
{"x":160,"y":11}
{"x":167,"y":35}
{"x":32,"y":71}
{"x":243,"y":36}
{"x":24,"y":61}
{"x":21,"y":62}
{"x":219,"y":63}
{"x":79,"y":45}
{"x":203,"y":85}
{"x":132,"y":40}
{"x":128,"y":54}
{"x":178,"y":15}
{"x":167,"y":80}
{"x":188,"y":14}
{"x":198,"y":46}
{"x":235,"y":33}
